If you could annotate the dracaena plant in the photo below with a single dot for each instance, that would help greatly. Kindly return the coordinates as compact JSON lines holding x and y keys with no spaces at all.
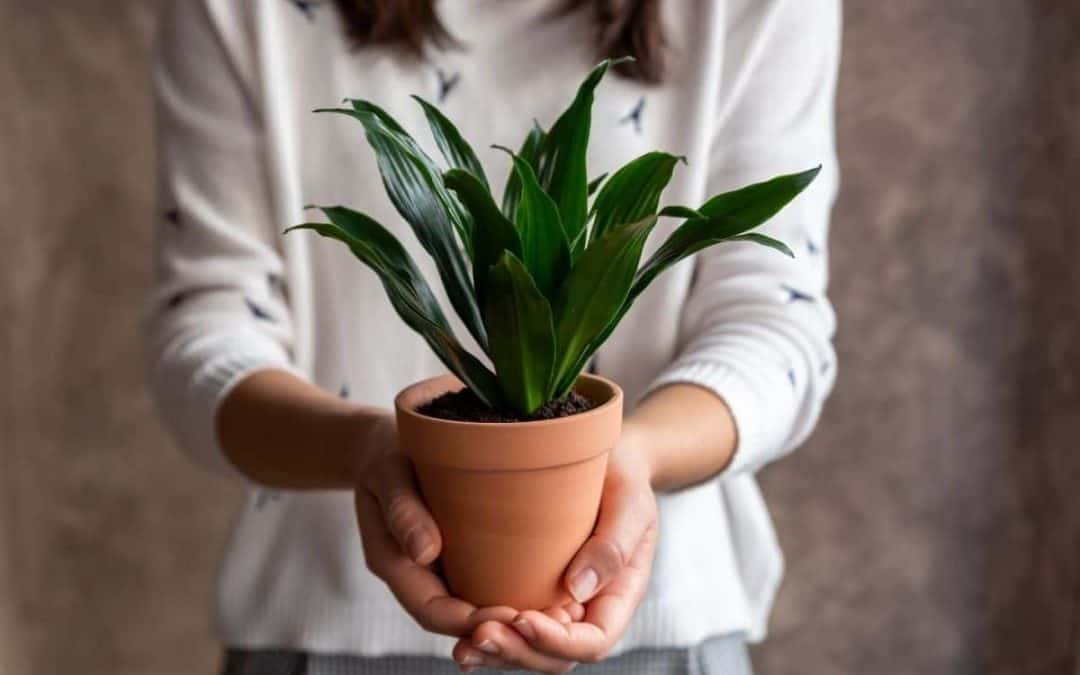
{"x":541,"y":278}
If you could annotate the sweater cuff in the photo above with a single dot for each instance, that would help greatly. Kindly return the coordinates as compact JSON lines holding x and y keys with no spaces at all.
{"x":758,"y":436}
{"x":225,"y":362}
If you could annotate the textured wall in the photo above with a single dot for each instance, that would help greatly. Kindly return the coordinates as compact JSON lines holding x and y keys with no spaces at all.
{"x":108,"y":539}
{"x":928,"y":525}
{"x":932,"y":525}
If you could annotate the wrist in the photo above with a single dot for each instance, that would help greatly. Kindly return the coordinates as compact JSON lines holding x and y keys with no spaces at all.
{"x":374,"y":433}
{"x":634,"y":451}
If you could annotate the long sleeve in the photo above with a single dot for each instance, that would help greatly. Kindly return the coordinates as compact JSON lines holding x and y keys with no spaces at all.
{"x":218,"y":310}
{"x":757,"y":326}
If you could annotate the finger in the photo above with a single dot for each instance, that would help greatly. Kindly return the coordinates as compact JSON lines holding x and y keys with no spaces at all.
{"x":625,"y":513}
{"x":606,"y":617}
{"x":496,"y":639}
{"x":404,"y":511}
{"x":576,"y":611}
{"x":468,"y":657}
{"x":559,"y":614}
{"x":417,"y":588}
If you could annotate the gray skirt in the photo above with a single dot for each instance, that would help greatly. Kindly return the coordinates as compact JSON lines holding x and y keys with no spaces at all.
{"x":723,"y":655}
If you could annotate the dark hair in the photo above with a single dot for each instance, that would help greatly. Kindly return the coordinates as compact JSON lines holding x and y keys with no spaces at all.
{"x":623,"y":28}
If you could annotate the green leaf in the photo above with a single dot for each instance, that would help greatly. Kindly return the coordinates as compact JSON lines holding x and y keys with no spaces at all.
{"x":454,"y":210}
{"x":633,"y":191}
{"x":494,"y":232}
{"x":764,"y":240}
{"x":362,"y":106}
{"x":416,"y":189}
{"x":454,"y":148}
{"x":680,"y":212}
{"x":593,"y":294}
{"x":754,"y":204}
{"x":760,"y":201}
{"x":562,"y":168}
{"x":522,"y":335}
{"x":726,"y":215}
{"x":595,"y":183}
{"x":545,"y":250}
{"x":408,"y":292}
{"x":530,"y":152}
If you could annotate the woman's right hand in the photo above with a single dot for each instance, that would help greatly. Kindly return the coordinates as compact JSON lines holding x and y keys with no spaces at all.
{"x":401,"y":540}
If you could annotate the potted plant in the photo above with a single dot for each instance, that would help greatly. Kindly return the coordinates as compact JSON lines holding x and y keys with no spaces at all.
{"x":511,"y":458}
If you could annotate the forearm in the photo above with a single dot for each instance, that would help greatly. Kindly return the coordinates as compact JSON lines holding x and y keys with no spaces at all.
{"x":685,"y":432}
{"x":282,"y":431}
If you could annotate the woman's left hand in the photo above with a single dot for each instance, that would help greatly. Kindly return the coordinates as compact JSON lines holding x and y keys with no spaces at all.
{"x":608,"y":577}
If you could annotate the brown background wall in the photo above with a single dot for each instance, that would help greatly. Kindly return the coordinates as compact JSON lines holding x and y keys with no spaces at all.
{"x":931,"y":526}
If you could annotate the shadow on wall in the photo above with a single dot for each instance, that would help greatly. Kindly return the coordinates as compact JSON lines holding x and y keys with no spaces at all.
{"x":1035,"y":567}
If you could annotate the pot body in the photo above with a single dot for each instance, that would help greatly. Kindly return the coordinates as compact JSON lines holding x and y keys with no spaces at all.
{"x":514,"y":502}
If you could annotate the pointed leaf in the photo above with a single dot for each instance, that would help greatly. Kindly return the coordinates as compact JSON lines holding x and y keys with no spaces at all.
{"x":494,"y":232}
{"x":593,"y":294}
{"x":530,"y":152}
{"x":764,"y":240}
{"x":754,"y":204}
{"x":522,"y":335}
{"x":545,"y":251}
{"x":417,"y":191}
{"x":361,"y":106}
{"x":676,"y":211}
{"x":695,"y":235}
{"x":562,"y":168}
{"x":595,"y":184}
{"x":633,"y":191}
{"x":727,"y":215}
{"x":457,"y":214}
{"x":454,"y":148}
{"x":409,"y":294}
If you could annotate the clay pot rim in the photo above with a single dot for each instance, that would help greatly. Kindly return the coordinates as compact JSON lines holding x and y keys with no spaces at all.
{"x":507,"y":446}
{"x":456,"y":385}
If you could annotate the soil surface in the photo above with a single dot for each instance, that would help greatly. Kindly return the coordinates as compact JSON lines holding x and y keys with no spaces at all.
{"x":464,"y":406}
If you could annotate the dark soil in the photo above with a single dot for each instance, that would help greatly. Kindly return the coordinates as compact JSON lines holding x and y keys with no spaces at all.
{"x":464,"y":406}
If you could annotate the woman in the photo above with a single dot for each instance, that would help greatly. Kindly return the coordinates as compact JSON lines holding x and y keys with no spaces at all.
{"x":728,"y":356}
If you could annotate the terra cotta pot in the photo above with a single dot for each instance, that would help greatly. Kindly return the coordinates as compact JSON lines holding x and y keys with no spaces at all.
{"x":514,"y":502}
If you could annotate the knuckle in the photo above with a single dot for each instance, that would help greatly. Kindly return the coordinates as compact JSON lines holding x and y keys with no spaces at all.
{"x":611,"y":552}
{"x":426,"y":621}
{"x":400,"y":513}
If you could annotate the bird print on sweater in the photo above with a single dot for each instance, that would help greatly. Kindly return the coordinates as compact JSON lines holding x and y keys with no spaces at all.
{"x":446,"y":83}
{"x":795,"y":295}
{"x":256,"y":311}
{"x":635,"y":115}
{"x":172,"y":216}
{"x":175,"y":300}
{"x":307,"y":7}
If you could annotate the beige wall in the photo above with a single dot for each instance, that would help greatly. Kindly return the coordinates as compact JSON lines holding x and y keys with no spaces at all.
{"x":932,"y":525}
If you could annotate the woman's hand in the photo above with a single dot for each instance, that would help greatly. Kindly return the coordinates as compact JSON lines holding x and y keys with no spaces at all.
{"x":401,"y":539}
{"x":608,"y":576}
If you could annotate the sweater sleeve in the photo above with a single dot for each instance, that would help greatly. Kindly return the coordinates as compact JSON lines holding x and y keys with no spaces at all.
{"x":757,"y":326}
{"x":217,"y":310}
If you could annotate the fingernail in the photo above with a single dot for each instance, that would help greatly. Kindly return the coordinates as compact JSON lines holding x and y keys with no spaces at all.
{"x":525,"y":628}
{"x":418,"y":542}
{"x":488,"y":647}
{"x":472,"y":659}
{"x":584,"y":584}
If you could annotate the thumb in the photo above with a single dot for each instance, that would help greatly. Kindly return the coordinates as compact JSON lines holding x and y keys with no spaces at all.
{"x":404,"y":512}
{"x":625,"y":515}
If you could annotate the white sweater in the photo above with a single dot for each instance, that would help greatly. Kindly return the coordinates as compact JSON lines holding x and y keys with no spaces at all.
{"x":749,"y":94}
